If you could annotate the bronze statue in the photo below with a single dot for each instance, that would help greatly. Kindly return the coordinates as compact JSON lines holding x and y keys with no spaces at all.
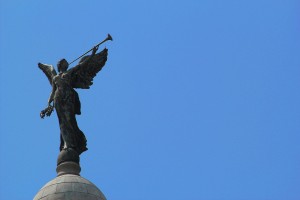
{"x":65,"y":99}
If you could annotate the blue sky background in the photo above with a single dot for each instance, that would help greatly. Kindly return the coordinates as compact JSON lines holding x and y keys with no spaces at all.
{"x":198,"y":99}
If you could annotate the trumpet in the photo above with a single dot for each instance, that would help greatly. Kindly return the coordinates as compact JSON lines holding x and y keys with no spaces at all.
{"x":106,"y":39}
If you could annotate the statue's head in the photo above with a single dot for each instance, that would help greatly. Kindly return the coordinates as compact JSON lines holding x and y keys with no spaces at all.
{"x":62,"y":65}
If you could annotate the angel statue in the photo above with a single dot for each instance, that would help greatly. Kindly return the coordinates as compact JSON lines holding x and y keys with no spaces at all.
{"x":64,"y":98}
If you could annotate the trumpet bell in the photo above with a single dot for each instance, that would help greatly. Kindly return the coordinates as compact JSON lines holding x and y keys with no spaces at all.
{"x":109,"y":37}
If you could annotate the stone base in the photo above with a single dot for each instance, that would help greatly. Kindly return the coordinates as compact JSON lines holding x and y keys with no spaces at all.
{"x":68,"y":168}
{"x":67,"y":155}
{"x":68,"y":162}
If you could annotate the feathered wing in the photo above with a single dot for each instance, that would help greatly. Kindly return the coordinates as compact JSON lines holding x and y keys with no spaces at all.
{"x":82,"y":75}
{"x":48,"y":70}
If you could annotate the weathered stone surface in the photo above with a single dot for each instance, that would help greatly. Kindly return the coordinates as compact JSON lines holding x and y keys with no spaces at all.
{"x":66,"y":155}
{"x":69,"y":187}
{"x":68,"y":167}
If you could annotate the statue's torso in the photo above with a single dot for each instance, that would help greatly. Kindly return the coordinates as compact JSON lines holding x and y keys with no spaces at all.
{"x":63,"y":88}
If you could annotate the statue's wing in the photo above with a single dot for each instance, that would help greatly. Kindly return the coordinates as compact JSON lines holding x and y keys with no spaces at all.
{"x":82,"y":75}
{"x":48,"y":70}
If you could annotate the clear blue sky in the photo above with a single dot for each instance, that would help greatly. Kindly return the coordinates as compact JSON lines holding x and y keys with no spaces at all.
{"x":199,"y":99}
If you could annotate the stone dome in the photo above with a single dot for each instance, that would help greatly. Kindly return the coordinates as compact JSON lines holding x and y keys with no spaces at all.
{"x":69,"y":187}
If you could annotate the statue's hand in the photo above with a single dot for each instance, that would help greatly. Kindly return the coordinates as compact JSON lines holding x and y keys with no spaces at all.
{"x":95,"y":49}
{"x":47,"y":111}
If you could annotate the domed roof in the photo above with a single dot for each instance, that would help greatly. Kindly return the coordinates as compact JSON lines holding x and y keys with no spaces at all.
{"x":69,"y":187}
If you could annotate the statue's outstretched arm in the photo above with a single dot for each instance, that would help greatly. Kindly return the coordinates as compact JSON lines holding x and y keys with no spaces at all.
{"x":86,"y":61}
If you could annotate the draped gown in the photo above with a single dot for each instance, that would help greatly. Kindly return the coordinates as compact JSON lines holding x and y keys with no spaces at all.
{"x":67,"y":105}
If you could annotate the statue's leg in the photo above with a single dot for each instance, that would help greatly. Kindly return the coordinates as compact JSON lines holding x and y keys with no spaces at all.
{"x":68,"y":133}
{"x":62,"y":121}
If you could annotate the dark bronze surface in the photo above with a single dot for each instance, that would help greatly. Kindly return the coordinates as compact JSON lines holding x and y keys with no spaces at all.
{"x":65,"y":100}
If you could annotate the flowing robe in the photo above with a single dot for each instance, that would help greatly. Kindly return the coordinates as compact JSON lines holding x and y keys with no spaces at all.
{"x":67,"y":105}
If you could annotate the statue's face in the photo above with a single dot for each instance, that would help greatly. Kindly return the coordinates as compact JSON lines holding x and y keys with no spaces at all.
{"x":62,"y":65}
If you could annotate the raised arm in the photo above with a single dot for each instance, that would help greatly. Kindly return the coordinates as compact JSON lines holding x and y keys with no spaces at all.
{"x":90,"y":57}
{"x":81,"y":64}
